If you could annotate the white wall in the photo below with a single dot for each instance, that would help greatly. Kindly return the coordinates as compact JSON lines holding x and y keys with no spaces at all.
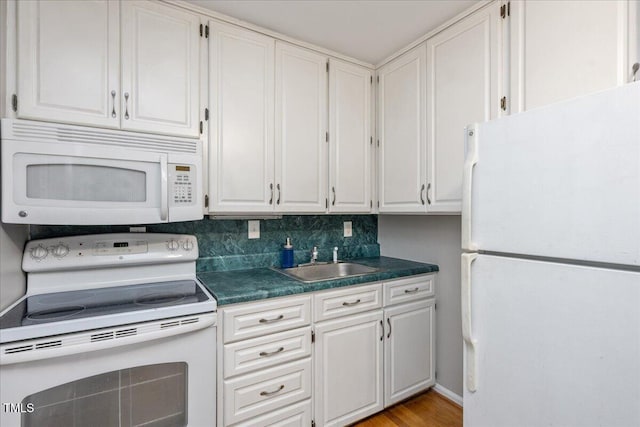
{"x":12,"y":279}
{"x":436,"y":240}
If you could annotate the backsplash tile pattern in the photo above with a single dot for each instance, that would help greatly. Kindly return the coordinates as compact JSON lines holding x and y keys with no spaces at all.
{"x":224,"y":244}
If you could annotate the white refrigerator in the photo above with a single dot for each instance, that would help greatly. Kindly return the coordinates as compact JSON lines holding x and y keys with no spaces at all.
{"x":551,"y":265}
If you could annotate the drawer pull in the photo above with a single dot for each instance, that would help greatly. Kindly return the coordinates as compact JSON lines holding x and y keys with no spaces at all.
{"x":271,"y":353}
{"x":411,"y":291}
{"x":350,"y":304}
{"x":272,"y":320}
{"x":271,"y":393}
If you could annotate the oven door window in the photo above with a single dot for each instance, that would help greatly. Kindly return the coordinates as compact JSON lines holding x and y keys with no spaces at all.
{"x":144,"y":395}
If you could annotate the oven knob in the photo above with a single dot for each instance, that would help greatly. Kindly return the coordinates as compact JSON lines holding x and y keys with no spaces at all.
{"x":172,"y":245}
{"x":60,"y":251}
{"x":187,"y":245}
{"x":38,"y":253}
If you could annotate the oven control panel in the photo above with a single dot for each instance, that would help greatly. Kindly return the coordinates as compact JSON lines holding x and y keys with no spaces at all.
{"x":182,"y":184}
{"x":104,"y":250}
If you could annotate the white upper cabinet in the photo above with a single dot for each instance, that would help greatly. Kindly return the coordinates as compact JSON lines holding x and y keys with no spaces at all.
{"x":561,"y":49}
{"x":301,"y":128}
{"x":73,"y":67}
{"x":402,"y":133}
{"x":463,"y":87}
{"x":349,"y":137}
{"x":241,"y":152}
{"x":69,"y":62}
{"x":160,"y":69}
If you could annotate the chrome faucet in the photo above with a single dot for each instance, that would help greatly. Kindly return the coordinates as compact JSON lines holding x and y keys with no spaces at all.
{"x":314,"y":255}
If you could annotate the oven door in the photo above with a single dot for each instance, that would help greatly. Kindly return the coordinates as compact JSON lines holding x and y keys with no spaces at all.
{"x":80,"y":184}
{"x":168,"y":381}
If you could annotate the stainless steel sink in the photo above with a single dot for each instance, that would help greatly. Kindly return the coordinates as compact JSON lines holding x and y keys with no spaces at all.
{"x":326,"y":271}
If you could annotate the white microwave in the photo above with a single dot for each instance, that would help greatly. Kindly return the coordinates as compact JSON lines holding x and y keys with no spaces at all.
{"x":64,"y":174}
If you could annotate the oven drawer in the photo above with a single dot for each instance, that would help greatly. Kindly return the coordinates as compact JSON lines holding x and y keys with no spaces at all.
{"x":297,"y":415}
{"x":410,"y":289}
{"x":263,"y":352}
{"x":260,"y":392}
{"x":328,"y":305}
{"x":265,"y":317}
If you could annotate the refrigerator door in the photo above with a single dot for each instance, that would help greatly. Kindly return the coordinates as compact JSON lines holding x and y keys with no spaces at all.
{"x":555,"y":344}
{"x":561,"y":181}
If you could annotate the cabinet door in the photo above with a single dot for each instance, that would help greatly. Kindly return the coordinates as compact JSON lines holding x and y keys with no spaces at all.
{"x":301,"y":126}
{"x":68,"y":61}
{"x":463,"y":80}
{"x":348,"y":369}
{"x":241,"y":170}
{"x":349,"y":137}
{"x":160,"y":69}
{"x":562,"y":49}
{"x":409,"y":351}
{"x":402,"y":133}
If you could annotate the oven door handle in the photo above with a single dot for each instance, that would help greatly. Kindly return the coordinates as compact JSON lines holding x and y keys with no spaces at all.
{"x":164,"y":188}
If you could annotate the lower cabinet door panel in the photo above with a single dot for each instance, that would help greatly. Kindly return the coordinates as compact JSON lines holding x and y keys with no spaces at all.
{"x":257,"y":393}
{"x":348,"y":369}
{"x":409,"y":350}
{"x":298,"y":415}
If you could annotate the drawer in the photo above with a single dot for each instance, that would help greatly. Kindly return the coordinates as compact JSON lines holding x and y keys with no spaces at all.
{"x":263,"y":352}
{"x":409,"y":289}
{"x":260,"y":392}
{"x":341,"y":302}
{"x":298,"y":415}
{"x":265,"y":317}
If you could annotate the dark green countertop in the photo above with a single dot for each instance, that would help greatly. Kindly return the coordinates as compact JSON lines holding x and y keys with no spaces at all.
{"x":230,"y":287}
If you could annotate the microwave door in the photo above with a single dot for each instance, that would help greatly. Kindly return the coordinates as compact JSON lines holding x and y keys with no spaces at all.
{"x":60,"y":184}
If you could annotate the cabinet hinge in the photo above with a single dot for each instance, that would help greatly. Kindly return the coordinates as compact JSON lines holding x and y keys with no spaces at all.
{"x":371,"y":141}
{"x":326,"y":136}
{"x":378,"y":79}
{"x":436,"y":375}
{"x":201,"y":127}
{"x":378,"y":203}
{"x":327,"y":66}
{"x":505,"y":10}
{"x":326,"y":203}
{"x":371,"y":79}
{"x":201,"y":30}
{"x":503,"y":103}
{"x":313,"y":336}
{"x":206,"y":200}
{"x":206,"y":114}
{"x":206,"y":31}
{"x":378,"y":143}
{"x":14,"y":102}
{"x":371,"y":203}
{"x":313,"y":423}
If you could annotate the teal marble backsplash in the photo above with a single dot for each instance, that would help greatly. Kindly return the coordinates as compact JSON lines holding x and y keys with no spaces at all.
{"x":224,"y":244}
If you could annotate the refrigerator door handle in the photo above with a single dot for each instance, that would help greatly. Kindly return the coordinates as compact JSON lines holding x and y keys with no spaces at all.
{"x":471,"y":143}
{"x":469,"y":341}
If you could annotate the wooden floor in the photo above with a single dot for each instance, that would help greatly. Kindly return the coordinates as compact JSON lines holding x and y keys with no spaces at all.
{"x":429,"y":409}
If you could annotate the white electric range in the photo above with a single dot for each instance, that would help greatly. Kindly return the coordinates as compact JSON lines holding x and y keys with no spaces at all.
{"x":114,"y":329}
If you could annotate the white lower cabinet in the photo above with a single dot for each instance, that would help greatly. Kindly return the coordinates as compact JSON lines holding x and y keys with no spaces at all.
{"x":348,"y":362}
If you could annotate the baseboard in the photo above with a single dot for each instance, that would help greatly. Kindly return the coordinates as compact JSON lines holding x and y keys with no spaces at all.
{"x":448,"y":394}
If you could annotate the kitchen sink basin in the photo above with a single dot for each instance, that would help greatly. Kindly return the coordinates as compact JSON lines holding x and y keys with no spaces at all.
{"x":326,"y":271}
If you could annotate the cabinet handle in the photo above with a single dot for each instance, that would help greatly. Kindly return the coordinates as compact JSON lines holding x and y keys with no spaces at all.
{"x":271,"y":353}
{"x":350,"y":304}
{"x":278,"y":201}
{"x":271,"y":188}
{"x":126,"y":105}
{"x":270,"y":393}
{"x":421,"y":193}
{"x":389,"y":323}
{"x":634,"y":71}
{"x":276,"y":319}
{"x":333,"y":189}
{"x":113,"y":99}
{"x":381,"y":330}
{"x":428,"y":188}
{"x":411,"y":291}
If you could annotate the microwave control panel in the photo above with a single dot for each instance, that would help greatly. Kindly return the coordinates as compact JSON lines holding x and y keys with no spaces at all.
{"x":182,"y":184}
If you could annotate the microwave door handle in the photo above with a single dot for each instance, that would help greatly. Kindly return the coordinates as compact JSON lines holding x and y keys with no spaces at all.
{"x":164,"y":189}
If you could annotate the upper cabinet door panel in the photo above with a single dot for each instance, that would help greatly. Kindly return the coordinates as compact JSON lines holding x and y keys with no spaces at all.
{"x":160,"y":69}
{"x":241,"y":172}
{"x":301,"y":126}
{"x":401,"y":122}
{"x":565,"y":48}
{"x":462,"y":88}
{"x":68,"y":61}
{"x":350,"y":137}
